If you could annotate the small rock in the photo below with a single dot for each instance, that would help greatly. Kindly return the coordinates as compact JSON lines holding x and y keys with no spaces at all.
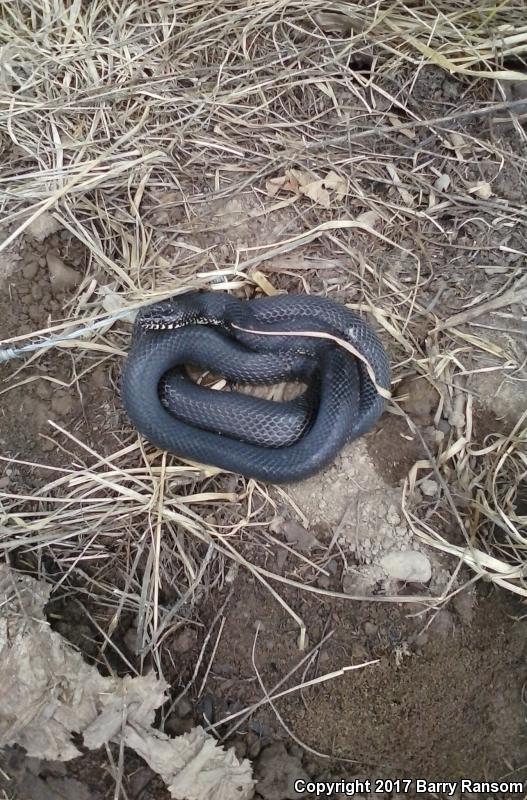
{"x":418,"y":397}
{"x":362,"y":581}
{"x":61,"y":276}
{"x":392,"y":517}
{"x":254,"y":745}
{"x":359,"y":652}
{"x":184,"y":708}
{"x":185,"y":640}
{"x":47,"y":445}
{"x":54,"y":769}
{"x":276,"y":772}
{"x":130,"y":639}
{"x":325,"y":658}
{"x":443,"y":426}
{"x":409,"y":566}
{"x":240,"y":747}
{"x":206,"y":708}
{"x":43,"y":226}
{"x":429,"y":487}
{"x":175,"y":726}
{"x":464,"y":603}
{"x":35,"y":313}
{"x":518,"y":91}
{"x":43,"y":390}
{"x":370,"y":629}
{"x":138,"y":780}
{"x":62,"y":405}
{"x":323,"y":582}
{"x":99,"y":377}
{"x":442,"y":624}
{"x":36,"y":291}
{"x":281,"y":558}
{"x":30,"y":270}
{"x":332,"y":566}
{"x":296,"y":534}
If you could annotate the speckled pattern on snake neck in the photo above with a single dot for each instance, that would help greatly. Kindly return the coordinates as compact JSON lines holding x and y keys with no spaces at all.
{"x":246,"y":342}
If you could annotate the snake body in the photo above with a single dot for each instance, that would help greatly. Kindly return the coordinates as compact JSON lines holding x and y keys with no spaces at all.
{"x":253,"y":342}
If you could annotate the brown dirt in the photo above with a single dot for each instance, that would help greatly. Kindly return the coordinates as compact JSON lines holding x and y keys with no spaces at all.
{"x":441,"y":705}
{"x":83,"y":399}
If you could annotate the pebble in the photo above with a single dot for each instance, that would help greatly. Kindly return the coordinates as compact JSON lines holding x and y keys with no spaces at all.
{"x":240,"y":747}
{"x":61,"y":275}
{"x":323,"y":582}
{"x":442,"y":623}
{"x":41,"y":227}
{"x":296,"y":534}
{"x":392,"y":516}
{"x":370,"y":629}
{"x":464,"y":603}
{"x":407,"y":566}
{"x":421,"y":397}
{"x":37,"y":292}
{"x":177,"y":727}
{"x":43,"y":390}
{"x":184,"y":641}
{"x":30,"y":270}
{"x":99,"y":379}
{"x":184,"y":708}
{"x":130,"y":638}
{"x":62,"y":405}
{"x":35,"y":312}
{"x":429,"y":487}
{"x":254,"y":745}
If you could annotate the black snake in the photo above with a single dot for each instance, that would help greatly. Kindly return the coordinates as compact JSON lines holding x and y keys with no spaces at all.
{"x":254,"y":342}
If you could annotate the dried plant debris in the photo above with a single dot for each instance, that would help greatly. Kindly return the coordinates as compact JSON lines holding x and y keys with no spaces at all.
{"x":49,"y":692}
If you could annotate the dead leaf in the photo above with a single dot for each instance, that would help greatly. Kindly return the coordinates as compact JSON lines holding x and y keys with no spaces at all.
{"x":404,"y":193}
{"x":316,"y":192}
{"x":459,"y":145}
{"x":482,"y":190}
{"x":400,"y":127}
{"x":48,"y":692}
{"x":442,"y":183}
{"x":337,"y":183}
{"x":273,"y":185}
{"x":296,"y":534}
{"x":304,"y":183}
{"x":194,"y":766}
{"x":302,"y":178}
{"x":369,"y":218}
{"x":330,"y":21}
{"x":43,"y":226}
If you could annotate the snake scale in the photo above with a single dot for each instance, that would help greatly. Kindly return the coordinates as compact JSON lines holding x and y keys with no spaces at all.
{"x":259,"y":341}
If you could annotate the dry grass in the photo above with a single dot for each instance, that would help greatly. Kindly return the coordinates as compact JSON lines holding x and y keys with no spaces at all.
{"x":133,"y":125}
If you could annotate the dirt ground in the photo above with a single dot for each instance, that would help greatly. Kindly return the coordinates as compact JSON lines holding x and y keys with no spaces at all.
{"x":440,"y":695}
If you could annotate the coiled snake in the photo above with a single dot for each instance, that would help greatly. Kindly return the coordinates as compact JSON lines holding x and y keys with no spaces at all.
{"x":254,"y":342}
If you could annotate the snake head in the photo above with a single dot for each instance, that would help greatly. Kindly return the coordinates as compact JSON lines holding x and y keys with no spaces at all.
{"x":176,"y":312}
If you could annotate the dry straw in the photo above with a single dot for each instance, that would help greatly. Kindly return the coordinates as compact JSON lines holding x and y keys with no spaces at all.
{"x":131,"y":124}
